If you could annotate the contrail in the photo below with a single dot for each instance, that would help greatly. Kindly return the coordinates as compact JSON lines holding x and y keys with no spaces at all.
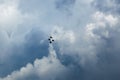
{"x":52,"y":53}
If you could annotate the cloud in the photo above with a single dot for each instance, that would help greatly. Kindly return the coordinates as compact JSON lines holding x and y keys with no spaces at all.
{"x":8,"y":11}
{"x":16,"y":34}
{"x":103,"y":35}
{"x":44,"y":69}
{"x":86,"y":40}
{"x":65,"y":5}
{"x":18,"y":55}
{"x":61,"y":35}
{"x":108,"y":6}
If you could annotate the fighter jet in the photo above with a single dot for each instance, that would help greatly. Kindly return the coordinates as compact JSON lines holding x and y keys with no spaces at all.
{"x":50,"y":39}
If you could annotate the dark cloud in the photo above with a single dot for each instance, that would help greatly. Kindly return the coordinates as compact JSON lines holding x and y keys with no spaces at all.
{"x":27,"y":52}
{"x":64,"y":3}
{"x":107,"y":6}
{"x":104,"y":37}
{"x":91,"y":53}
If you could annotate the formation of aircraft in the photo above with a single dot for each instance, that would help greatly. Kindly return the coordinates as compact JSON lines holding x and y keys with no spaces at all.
{"x":51,"y":39}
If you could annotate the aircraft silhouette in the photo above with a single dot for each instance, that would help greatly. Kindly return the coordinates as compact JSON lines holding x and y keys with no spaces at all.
{"x":50,"y":39}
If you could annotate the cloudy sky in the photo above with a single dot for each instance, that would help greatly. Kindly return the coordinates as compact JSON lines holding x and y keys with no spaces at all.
{"x":86,"y":34}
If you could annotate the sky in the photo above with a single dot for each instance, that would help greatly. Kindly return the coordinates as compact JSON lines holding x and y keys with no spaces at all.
{"x":86,"y":34}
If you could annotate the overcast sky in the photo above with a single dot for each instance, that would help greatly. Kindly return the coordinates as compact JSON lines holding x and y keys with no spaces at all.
{"x":86,"y":34}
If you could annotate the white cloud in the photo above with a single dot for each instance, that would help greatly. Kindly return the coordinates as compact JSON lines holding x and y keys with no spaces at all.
{"x":47,"y":68}
{"x":73,"y":43}
{"x":63,"y":35}
{"x":103,"y":23}
{"x":10,"y":16}
{"x":84,"y":43}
